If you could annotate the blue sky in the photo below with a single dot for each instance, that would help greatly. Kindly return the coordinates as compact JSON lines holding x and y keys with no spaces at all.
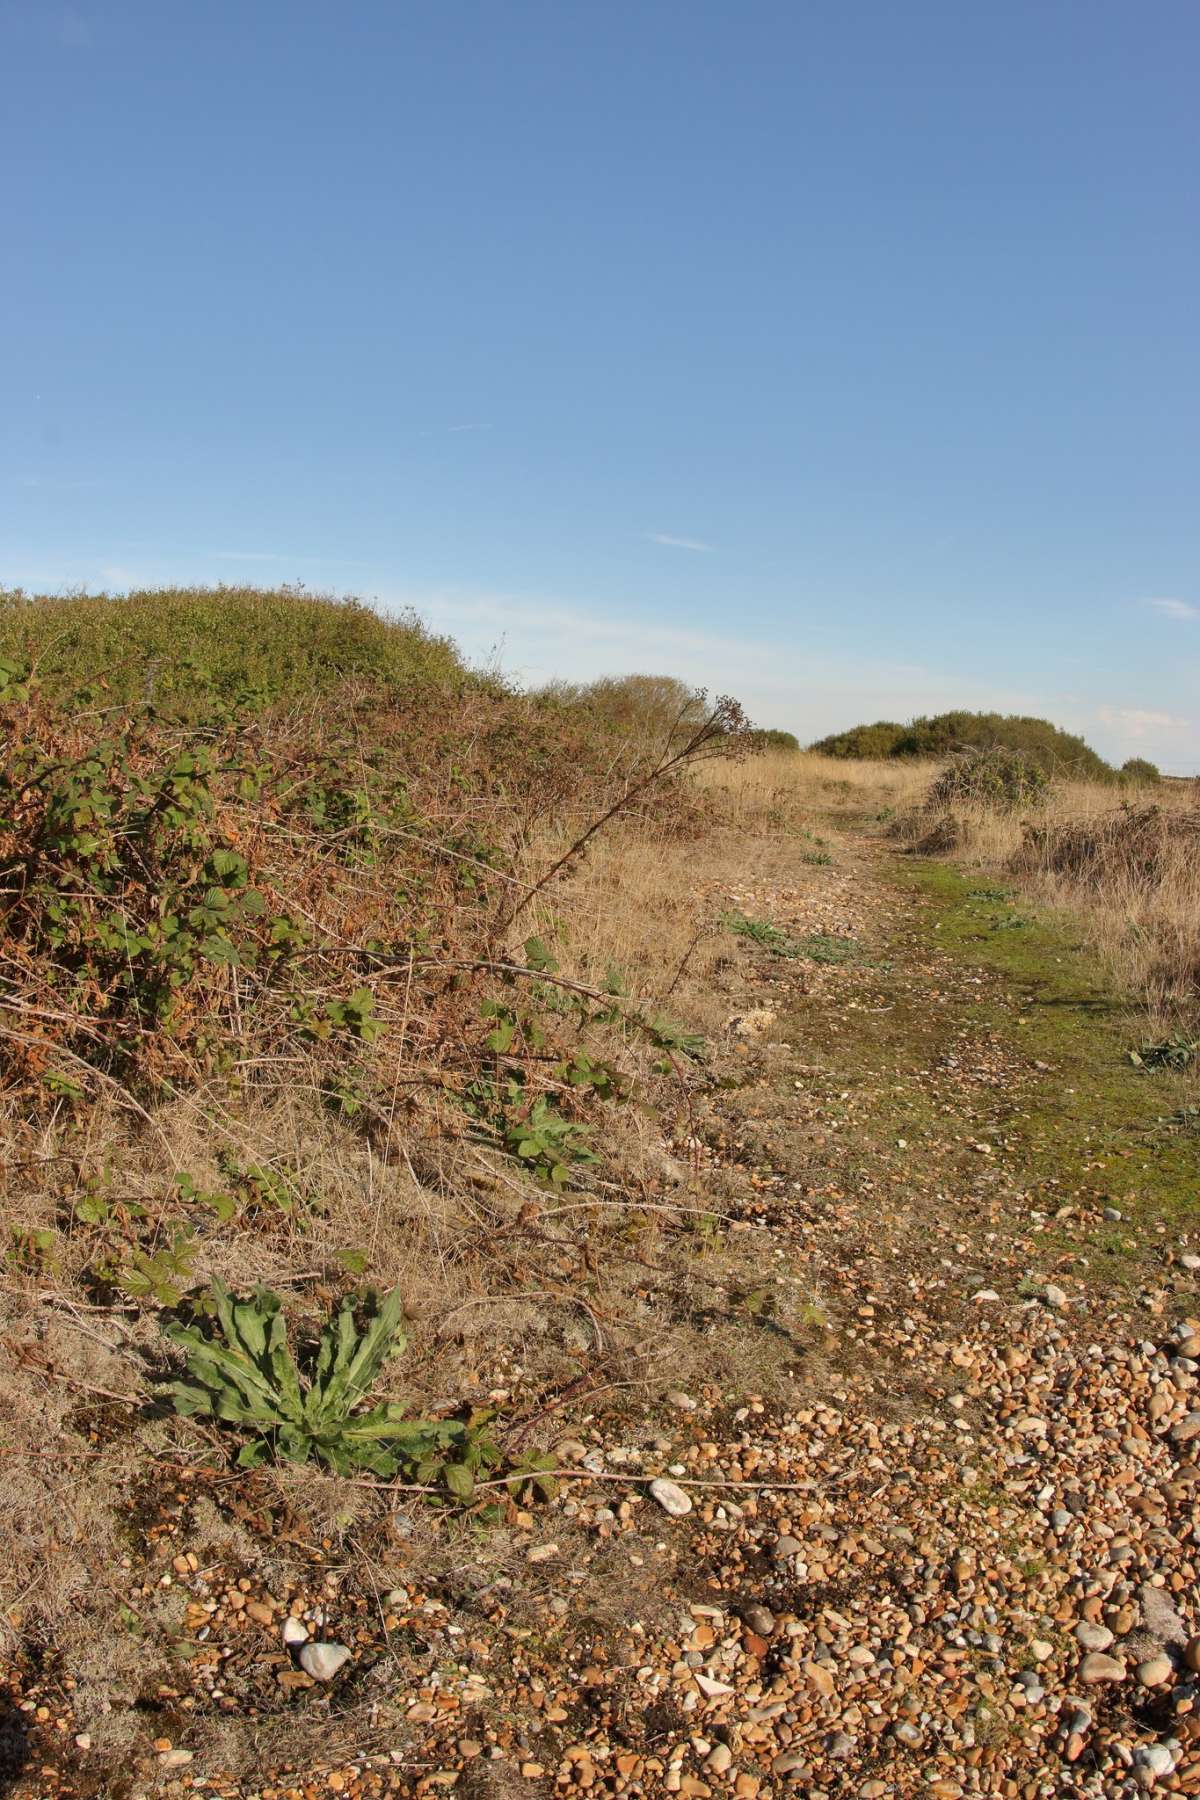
{"x":841,"y":355}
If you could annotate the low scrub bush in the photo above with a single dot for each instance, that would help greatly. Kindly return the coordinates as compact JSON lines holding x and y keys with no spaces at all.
{"x":1005,"y":779}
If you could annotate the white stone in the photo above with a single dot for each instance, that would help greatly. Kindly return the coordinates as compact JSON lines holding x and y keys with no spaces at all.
{"x":322,"y":1661}
{"x":710,"y":1687}
{"x":672,"y":1499}
{"x":295,"y":1631}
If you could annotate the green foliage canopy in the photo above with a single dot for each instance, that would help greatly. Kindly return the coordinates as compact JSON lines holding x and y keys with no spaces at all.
{"x":1053,"y":750}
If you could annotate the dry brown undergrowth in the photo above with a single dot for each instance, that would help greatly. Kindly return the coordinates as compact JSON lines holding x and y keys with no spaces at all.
{"x":537,"y":1298}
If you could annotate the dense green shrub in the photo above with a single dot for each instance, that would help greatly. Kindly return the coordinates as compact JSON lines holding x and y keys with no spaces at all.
{"x":1141,"y":770}
{"x":863,"y":741}
{"x":771,"y":739}
{"x":179,"y":648}
{"x":1054,"y":751}
{"x":1005,"y":779}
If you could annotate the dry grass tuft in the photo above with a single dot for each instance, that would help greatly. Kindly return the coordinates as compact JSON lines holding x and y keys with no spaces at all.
{"x":1133,"y":872}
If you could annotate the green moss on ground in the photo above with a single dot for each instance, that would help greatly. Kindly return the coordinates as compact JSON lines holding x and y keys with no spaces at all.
{"x":1089,"y":1122}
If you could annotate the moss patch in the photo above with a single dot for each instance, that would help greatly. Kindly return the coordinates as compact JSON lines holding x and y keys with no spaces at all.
{"x":1088,"y":1123}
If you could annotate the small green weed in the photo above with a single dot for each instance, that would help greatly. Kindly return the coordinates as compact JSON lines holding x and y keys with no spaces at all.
{"x":243,"y":1373}
{"x":159,"y":1275}
{"x":759,"y":931}
{"x":1175,"y":1052}
{"x":669,"y":1034}
{"x":820,"y":947}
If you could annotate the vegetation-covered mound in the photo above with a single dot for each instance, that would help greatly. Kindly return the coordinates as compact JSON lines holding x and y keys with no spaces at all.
{"x":180,"y":649}
{"x":1055,"y":751}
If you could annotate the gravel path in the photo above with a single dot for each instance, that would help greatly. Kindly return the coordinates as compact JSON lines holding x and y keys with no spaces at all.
{"x":959,"y":1557}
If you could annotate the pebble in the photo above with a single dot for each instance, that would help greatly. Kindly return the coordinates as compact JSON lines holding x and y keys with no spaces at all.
{"x":322,"y":1661}
{"x":1054,"y":1296}
{"x":295,"y":1631}
{"x":1155,"y":1671}
{"x":1093,"y":1637}
{"x":760,"y":1619}
{"x":671,"y":1498}
{"x":786,"y":1546}
{"x":1156,"y":1758}
{"x":710,"y":1687}
{"x":1160,"y":1616}
{"x":1098,"y":1667}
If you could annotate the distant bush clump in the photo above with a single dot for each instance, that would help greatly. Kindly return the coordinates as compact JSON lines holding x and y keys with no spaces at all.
{"x":863,"y":741}
{"x":765,"y":739}
{"x":657,"y":707}
{"x":1054,"y":751}
{"x":1140,"y":769}
{"x":1004,"y":779}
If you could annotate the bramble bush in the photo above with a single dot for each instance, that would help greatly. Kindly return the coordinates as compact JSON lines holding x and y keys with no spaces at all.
{"x":1004,"y":779}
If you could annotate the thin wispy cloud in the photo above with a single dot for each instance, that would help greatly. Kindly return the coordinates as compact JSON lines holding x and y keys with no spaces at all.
{"x":1139,"y":722}
{"x":480,"y":425}
{"x":1174,"y":609}
{"x":679,"y":543}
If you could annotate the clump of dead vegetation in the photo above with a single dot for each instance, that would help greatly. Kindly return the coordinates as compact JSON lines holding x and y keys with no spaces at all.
{"x":1134,"y":872}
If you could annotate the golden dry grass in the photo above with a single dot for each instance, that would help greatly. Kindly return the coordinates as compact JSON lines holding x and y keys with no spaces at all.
{"x":787,"y":789}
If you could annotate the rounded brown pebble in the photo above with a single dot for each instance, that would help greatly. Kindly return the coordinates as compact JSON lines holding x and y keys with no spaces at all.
{"x":1098,"y":1667}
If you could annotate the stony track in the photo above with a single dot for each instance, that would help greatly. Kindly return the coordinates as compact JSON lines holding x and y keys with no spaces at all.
{"x":954,"y":1552}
